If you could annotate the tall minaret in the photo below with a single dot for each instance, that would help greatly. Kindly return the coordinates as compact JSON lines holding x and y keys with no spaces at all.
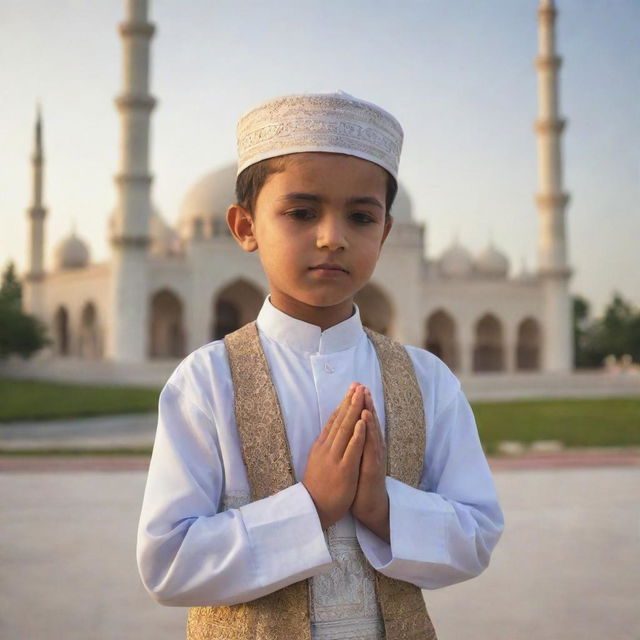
{"x":32,"y":298}
{"x":130,"y":238}
{"x":554,"y":270}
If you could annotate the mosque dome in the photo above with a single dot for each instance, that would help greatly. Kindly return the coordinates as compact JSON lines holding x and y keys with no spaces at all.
{"x":402,"y":209}
{"x":71,"y":253}
{"x":207,"y":201}
{"x":164,"y":239}
{"x":456,"y":261}
{"x":492,"y":263}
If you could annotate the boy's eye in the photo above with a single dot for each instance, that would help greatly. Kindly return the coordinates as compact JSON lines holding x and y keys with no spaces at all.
{"x":300,"y":214}
{"x":361,"y":217}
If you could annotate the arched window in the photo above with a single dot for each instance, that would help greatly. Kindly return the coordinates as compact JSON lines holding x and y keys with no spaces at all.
{"x":167,"y":331}
{"x":528,"y":347}
{"x":236,"y":305}
{"x":61,"y":329}
{"x":89,"y":338}
{"x":375,"y":307}
{"x":488,"y":350}
{"x":441,"y":337}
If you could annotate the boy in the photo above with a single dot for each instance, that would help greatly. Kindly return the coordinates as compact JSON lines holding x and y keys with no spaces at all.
{"x":291,"y":492}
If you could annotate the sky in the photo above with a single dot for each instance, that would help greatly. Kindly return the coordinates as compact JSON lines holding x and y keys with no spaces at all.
{"x":458,"y":74}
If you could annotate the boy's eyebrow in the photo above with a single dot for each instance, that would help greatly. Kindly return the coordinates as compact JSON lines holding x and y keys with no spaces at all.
{"x":312,"y":197}
{"x":301,"y":196}
{"x":366,"y":200}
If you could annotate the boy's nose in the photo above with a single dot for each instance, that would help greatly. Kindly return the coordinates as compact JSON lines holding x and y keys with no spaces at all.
{"x":331,"y":234}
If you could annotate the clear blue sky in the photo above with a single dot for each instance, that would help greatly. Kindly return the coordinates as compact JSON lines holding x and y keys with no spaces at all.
{"x":458,"y":74}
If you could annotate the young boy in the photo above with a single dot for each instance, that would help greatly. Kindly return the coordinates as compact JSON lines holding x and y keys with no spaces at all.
{"x":309,"y":477}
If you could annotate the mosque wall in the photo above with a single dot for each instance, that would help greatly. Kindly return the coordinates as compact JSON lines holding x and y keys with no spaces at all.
{"x":77,"y":310}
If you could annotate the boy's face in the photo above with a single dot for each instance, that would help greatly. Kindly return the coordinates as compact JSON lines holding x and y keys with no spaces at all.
{"x":319,"y":226}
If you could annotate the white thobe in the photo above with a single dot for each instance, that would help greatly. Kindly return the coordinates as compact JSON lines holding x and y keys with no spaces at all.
{"x":201,"y":543}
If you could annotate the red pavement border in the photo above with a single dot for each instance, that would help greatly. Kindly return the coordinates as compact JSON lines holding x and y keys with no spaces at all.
{"x":569,"y":459}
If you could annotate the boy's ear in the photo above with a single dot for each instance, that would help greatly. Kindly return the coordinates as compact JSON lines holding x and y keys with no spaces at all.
{"x":241,"y":225}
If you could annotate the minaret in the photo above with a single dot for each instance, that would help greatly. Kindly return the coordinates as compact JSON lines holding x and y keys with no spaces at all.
{"x":32,"y":299}
{"x":554,"y":270}
{"x":130,"y":239}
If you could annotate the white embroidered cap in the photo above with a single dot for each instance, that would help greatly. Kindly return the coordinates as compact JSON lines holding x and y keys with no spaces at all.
{"x":329,"y":122}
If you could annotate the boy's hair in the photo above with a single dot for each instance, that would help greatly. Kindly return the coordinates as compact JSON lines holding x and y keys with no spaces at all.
{"x":252,"y":179}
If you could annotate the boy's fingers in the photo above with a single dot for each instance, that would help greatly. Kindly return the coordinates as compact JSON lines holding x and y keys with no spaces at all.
{"x":353,"y":452}
{"x":345,"y":430}
{"x":342,"y":410}
{"x":338,"y":415}
{"x":327,"y":427}
{"x":368,"y":400}
{"x":373,"y":431}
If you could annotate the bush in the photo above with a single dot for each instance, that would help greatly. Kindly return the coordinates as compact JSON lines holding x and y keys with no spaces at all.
{"x":19,"y":333}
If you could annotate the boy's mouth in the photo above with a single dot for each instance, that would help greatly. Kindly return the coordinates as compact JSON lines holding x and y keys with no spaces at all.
{"x":325,"y":266}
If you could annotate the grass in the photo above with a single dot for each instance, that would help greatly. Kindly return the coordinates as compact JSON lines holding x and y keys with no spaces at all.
{"x":588,"y":422}
{"x":36,"y":400}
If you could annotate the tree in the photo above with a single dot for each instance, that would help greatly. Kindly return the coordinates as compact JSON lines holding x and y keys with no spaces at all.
{"x":10,"y":289}
{"x":581,"y":312}
{"x":616,"y":333}
{"x":19,"y":333}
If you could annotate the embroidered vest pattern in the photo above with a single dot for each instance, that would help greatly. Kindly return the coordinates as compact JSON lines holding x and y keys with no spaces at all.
{"x":284,"y":614}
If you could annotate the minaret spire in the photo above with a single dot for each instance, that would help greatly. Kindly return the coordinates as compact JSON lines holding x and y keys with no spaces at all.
{"x":36,"y":214}
{"x":552,"y":200}
{"x":130,"y":238}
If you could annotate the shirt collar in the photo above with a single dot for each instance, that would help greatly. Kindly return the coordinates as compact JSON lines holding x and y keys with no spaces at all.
{"x":302,"y":336}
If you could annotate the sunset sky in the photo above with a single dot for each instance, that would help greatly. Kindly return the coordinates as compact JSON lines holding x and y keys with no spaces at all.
{"x":458,"y":74}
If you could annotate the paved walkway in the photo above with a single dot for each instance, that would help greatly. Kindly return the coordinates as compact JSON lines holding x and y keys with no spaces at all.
{"x":135,"y":431}
{"x":566,"y":568}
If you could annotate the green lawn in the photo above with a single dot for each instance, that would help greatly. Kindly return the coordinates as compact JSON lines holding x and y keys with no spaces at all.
{"x":597,"y":422}
{"x":33,"y":400}
{"x":590,"y":422}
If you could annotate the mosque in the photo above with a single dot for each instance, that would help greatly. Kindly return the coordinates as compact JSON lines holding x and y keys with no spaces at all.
{"x":167,"y":290}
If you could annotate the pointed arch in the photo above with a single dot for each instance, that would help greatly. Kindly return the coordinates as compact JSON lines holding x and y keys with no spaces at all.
{"x":166,"y":335}
{"x":376,"y":310}
{"x":528,"y":345}
{"x":90,"y":344}
{"x":488,"y":350}
{"x":441,"y":337}
{"x":61,"y":331}
{"x":238,"y":303}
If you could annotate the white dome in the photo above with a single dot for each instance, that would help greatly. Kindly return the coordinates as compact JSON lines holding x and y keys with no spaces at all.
{"x":456,"y":262}
{"x":208,"y":199}
{"x":492,"y":263}
{"x":71,"y":253}
{"x":402,"y":208}
{"x":164,"y":239}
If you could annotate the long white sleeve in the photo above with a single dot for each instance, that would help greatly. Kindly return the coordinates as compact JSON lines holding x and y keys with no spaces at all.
{"x":188,"y":553}
{"x":443,"y":532}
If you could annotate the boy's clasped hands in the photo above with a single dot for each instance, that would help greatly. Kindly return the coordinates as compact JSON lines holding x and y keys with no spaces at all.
{"x":347,"y":464}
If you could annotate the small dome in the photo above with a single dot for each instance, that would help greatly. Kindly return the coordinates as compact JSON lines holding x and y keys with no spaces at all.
{"x":525,"y":275}
{"x":402,"y":208}
{"x":164,"y":239}
{"x":208,"y":199}
{"x":456,"y":262}
{"x":71,"y":253}
{"x":492,"y":263}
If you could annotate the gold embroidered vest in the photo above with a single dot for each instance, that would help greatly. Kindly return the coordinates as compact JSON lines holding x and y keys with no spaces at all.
{"x":284,"y":614}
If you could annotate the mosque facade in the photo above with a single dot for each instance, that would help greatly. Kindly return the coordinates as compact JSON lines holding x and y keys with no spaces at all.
{"x":166,"y":290}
